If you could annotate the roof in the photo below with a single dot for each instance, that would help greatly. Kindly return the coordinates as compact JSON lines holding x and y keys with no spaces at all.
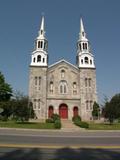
{"x":62,"y":60}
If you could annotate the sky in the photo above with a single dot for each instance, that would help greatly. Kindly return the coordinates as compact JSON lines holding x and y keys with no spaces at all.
{"x":19,"y":25}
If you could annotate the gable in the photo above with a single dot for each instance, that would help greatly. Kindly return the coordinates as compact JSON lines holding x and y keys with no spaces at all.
{"x":63,"y":64}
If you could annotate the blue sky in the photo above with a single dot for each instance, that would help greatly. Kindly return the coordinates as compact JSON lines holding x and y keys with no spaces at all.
{"x":19,"y":25}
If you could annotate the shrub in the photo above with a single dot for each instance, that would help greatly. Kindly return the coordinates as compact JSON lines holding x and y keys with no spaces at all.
{"x":57,"y":124}
{"x":82,"y":124}
{"x":76,"y":118}
{"x":55,"y":117}
{"x":49,"y":120}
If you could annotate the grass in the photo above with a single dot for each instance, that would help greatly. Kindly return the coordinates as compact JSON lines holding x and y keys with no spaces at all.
{"x":28,"y":125}
{"x":102,"y":126}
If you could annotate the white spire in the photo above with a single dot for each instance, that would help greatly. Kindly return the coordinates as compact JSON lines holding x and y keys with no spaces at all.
{"x":82,"y":34}
{"x":85,"y":58}
{"x":42,"y":29}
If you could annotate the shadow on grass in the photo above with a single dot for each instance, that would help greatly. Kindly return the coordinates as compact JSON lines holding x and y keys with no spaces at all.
{"x":60,"y":154}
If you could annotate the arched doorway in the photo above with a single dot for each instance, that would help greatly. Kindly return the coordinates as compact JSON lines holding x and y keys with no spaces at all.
{"x":63,"y":111}
{"x":75,"y":111}
{"x":50,"y":111}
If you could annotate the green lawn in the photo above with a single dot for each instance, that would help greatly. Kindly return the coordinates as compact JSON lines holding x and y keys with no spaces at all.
{"x":29,"y":125}
{"x":93,"y":126}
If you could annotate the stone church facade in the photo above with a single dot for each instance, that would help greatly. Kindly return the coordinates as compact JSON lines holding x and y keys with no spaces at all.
{"x":62,"y":87}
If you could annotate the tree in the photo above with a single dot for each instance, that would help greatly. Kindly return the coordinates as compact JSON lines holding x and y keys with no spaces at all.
{"x":112,"y":108}
{"x":22,"y":111}
{"x":96,"y":110}
{"x":5,"y":89}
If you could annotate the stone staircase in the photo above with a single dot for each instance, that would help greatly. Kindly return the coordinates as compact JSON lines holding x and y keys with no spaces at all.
{"x":68,"y":125}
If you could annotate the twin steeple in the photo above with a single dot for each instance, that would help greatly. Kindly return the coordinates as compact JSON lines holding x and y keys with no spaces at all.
{"x":85,"y":58}
{"x":40,"y":54}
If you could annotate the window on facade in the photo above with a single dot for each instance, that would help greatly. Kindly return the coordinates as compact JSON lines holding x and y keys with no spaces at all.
{"x":89,"y":81}
{"x":33,"y":59}
{"x":34,"y":104}
{"x":38,"y":44}
{"x":39,"y":104}
{"x":86,"y":82}
{"x":86,"y":60}
{"x":35,"y":80}
{"x":39,"y":81}
{"x":87,"y":105}
{"x":74,"y":85}
{"x":62,"y":73}
{"x":51,"y":87}
{"x":63,"y":87}
{"x":38,"y":58}
{"x":91,"y":105}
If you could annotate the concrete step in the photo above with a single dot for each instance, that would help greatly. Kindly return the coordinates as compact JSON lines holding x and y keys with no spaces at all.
{"x":68,"y":125}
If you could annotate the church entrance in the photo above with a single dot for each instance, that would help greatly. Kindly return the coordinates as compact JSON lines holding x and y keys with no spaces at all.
{"x":63,"y":111}
{"x":75,"y":111}
{"x":50,"y":111}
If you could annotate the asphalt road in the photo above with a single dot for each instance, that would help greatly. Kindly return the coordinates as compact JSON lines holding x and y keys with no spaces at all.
{"x":16,"y":144}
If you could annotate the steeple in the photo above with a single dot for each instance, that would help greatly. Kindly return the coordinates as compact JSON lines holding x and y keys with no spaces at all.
{"x":40,"y":53}
{"x":41,"y":33}
{"x":82,"y":34}
{"x":85,"y":58}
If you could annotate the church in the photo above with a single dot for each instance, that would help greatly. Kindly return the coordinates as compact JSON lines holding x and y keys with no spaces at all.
{"x":62,"y":88}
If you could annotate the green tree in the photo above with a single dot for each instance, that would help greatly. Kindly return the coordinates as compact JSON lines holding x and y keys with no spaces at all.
{"x":5,"y":89}
{"x":112,"y":108}
{"x":96,"y":110}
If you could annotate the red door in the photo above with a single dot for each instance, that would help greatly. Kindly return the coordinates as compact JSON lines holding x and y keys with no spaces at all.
{"x":50,"y":111}
{"x":75,"y":111}
{"x":63,"y":111}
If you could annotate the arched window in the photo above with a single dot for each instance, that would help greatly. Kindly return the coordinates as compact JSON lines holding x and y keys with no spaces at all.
{"x":86,"y":60}
{"x":35,"y":80}
{"x":51,"y":87}
{"x":74,"y":85}
{"x":41,"y":44}
{"x":81,"y":61}
{"x":50,"y":111}
{"x":85,"y":45}
{"x":91,"y":105}
{"x":39,"y":58}
{"x":86,"y":82}
{"x":87,"y":105}
{"x":62,"y":73}
{"x":80,"y":46}
{"x":90,"y":61}
{"x":74,"y":88}
{"x":33,"y":59}
{"x":89,"y":80}
{"x":34,"y":104}
{"x":63,"y":87}
{"x":38,"y":44}
{"x":39,"y":81}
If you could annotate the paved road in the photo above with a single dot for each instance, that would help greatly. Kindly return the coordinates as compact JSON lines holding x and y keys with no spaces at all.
{"x":18,"y":144}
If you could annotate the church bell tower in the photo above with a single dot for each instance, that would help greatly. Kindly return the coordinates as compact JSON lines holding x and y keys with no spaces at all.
{"x":38,"y":74}
{"x":85,"y":63}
